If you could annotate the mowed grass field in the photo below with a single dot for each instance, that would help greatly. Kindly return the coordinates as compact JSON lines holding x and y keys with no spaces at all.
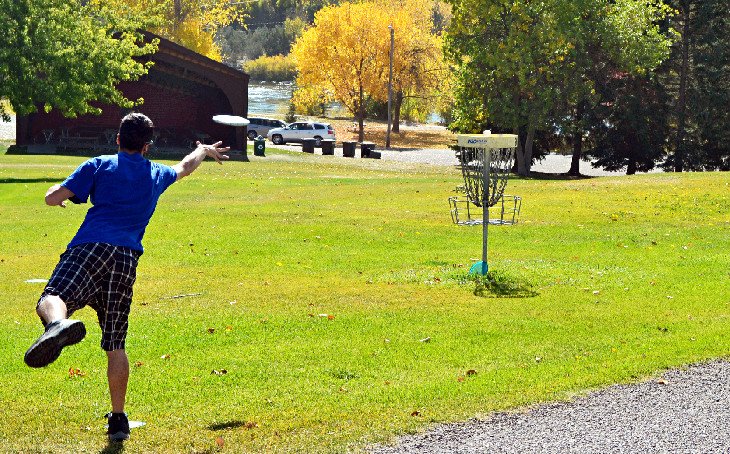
{"x":299,"y":303}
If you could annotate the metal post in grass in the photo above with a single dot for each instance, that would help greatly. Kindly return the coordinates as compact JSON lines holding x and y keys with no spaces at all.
{"x":485,"y":161}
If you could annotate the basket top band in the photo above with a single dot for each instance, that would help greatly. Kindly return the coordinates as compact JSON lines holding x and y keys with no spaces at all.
{"x":487,"y":140}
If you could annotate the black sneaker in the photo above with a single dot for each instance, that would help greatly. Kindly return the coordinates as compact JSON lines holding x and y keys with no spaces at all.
{"x":118,"y":426}
{"x":58,"y":335}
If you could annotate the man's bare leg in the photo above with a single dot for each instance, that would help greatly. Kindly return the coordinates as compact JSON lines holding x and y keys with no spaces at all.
{"x":51,"y":309}
{"x":118,"y":375}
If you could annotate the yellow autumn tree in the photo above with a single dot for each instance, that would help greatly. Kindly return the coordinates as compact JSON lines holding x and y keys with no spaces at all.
{"x":346,"y":53}
{"x":190,"y":23}
{"x":342,"y":54}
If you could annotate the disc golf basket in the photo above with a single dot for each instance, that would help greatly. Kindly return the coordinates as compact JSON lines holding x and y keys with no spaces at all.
{"x":485,"y":161}
{"x":505,"y":212}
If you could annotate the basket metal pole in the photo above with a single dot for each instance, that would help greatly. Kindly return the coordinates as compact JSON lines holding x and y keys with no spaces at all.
{"x":486,"y":153}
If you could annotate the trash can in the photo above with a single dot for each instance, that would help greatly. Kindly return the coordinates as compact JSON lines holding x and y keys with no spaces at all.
{"x":348,"y":149}
{"x":366,"y":148}
{"x":308,"y":145}
{"x":259,"y":146}
{"x":328,"y":146}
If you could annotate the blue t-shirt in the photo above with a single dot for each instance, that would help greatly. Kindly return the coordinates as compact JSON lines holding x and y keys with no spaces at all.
{"x":124,"y":189}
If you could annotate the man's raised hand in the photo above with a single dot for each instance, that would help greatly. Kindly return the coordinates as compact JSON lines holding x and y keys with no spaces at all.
{"x":215,"y":151}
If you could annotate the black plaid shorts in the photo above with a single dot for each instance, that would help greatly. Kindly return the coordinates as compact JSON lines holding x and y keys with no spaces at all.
{"x":100,"y":276}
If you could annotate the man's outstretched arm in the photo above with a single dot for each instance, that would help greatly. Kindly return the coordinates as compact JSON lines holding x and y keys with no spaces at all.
{"x":57,"y":196}
{"x":197,"y":156}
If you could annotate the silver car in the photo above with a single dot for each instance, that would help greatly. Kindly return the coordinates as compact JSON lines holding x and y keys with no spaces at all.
{"x":261,"y":126}
{"x":299,"y":130}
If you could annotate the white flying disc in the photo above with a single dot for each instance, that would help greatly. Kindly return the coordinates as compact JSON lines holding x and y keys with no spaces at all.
{"x":231,"y":120}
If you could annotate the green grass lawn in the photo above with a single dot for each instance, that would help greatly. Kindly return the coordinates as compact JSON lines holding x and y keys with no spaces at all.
{"x":313,"y":283}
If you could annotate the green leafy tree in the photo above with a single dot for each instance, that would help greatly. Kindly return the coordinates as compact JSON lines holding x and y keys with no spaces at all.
{"x":525,"y":66}
{"x":628,"y":128}
{"x":64,"y":54}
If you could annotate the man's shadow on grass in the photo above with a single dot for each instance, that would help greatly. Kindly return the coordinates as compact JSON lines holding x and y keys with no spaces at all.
{"x":113,"y":447}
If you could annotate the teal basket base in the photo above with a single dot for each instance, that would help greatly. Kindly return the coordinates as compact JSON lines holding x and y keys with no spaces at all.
{"x":479,"y":268}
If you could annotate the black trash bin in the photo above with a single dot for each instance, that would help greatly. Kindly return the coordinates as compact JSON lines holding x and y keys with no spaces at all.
{"x":308,"y":145}
{"x":366,"y":148}
{"x":328,"y":146}
{"x":259,"y":146}
{"x":348,"y":149}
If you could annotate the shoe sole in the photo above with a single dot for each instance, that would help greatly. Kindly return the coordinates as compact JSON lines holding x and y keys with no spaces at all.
{"x":119,"y":436}
{"x":48,"y":347}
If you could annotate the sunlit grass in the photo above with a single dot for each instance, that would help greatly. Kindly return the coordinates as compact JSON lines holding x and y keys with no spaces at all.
{"x":316,"y":304}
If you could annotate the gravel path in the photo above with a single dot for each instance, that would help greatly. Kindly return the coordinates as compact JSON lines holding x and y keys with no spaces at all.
{"x":684,"y":411}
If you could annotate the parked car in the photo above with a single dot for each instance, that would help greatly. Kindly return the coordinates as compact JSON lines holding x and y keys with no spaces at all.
{"x":297,"y":131}
{"x":261,"y":126}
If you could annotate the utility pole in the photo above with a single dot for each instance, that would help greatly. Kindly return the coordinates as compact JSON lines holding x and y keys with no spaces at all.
{"x":390,"y":85}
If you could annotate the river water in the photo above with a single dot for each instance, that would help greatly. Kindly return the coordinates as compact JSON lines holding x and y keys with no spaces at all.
{"x":269,"y":98}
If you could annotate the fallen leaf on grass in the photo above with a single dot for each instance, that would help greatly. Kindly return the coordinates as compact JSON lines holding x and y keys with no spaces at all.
{"x":416,"y":413}
{"x":229,"y":329}
{"x":75,"y":372}
{"x":250,"y":425}
{"x":220,"y":442}
{"x":138,"y":364}
{"x":460,"y":378}
{"x":211,"y":330}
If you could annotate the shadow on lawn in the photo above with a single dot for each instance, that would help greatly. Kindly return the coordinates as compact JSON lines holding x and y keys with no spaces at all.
{"x":500,"y":285}
{"x":227,"y":425}
{"x":30,"y":180}
{"x":114,"y":447}
{"x":554,"y":176}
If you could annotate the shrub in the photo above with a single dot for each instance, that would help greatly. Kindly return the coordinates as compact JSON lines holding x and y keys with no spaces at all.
{"x":277,"y":68}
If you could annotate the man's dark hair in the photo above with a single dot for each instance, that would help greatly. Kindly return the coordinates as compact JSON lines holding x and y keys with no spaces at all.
{"x":135,"y":131}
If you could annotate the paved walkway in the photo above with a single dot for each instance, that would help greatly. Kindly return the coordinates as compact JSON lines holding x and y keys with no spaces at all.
{"x":552,"y":163}
{"x":7,"y":129}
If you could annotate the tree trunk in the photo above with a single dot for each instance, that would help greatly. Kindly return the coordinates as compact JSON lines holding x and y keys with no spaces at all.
{"x":681,"y":109}
{"x":177,"y":12}
{"x":519,"y":155}
{"x":631,"y":168}
{"x":361,"y":117}
{"x":529,"y":141}
{"x":396,"y":109}
{"x":577,"y":141}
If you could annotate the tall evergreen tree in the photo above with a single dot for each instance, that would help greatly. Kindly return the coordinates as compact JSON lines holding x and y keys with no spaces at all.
{"x":698,"y":79}
{"x":712,"y":73}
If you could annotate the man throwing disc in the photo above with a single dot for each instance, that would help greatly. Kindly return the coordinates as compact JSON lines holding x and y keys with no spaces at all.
{"x":99,"y":266}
